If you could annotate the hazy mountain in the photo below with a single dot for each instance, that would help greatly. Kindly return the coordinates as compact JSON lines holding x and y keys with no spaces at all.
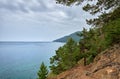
{"x":65,"y":38}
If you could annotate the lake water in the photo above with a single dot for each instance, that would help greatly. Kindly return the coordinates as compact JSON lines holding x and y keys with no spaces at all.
{"x":21,"y":60}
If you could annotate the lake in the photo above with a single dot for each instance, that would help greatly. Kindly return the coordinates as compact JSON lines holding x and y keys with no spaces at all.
{"x":21,"y":60}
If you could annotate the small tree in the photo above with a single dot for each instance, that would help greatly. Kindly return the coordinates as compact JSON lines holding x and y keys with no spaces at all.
{"x":42,"y":73}
{"x":66,"y":57}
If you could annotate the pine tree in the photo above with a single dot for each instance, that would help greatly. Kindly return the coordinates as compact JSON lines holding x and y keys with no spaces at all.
{"x":42,"y":74}
{"x":66,"y":57}
{"x":105,"y":8}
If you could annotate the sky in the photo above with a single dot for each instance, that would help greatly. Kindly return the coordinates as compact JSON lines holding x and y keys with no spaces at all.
{"x":39,"y":20}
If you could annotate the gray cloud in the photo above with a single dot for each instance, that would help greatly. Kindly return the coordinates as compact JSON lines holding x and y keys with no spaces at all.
{"x":13,"y":6}
{"x":23,"y":5}
{"x":43,"y":8}
{"x":26,"y":15}
{"x":26,"y":5}
{"x":48,"y":7}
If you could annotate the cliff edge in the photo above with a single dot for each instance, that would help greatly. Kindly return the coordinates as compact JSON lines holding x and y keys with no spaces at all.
{"x":105,"y":66}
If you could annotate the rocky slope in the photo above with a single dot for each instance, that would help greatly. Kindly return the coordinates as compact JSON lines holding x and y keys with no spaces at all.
{"x":105,"y":66}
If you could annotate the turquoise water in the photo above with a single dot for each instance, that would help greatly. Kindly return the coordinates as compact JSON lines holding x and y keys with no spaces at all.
{"x":21,"y":60}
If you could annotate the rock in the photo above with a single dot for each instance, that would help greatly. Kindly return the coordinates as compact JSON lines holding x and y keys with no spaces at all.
{"x":105,"y":66}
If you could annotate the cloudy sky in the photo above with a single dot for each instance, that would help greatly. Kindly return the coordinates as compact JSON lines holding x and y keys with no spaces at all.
{"x":39,"y":20}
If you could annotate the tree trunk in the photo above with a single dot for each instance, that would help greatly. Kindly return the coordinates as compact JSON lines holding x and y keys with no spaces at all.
{"x":85,"y":61}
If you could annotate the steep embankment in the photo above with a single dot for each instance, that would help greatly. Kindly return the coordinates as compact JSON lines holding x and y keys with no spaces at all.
{"x":105,"y":66}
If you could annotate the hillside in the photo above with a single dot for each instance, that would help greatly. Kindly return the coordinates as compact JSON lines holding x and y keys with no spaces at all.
{"x":105,"y":48}
{"x":105,"y":66}
{"x":96,"y":56}
{"x":65,"y":38}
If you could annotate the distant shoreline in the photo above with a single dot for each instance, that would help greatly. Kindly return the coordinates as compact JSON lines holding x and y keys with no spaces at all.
{"x":30,"y":42}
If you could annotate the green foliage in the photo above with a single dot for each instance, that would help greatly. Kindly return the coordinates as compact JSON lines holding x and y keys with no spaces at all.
{"x":88,"y":45}
{"x":92,"y":42}
{"x":42,"y":74}
{"x":104,"y":7}
{"x":112,"y":32}
{"x":93,"y":6}
{"x":69,"y":2}
{"x":105,"y":18}
{"x":66,"y":57}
